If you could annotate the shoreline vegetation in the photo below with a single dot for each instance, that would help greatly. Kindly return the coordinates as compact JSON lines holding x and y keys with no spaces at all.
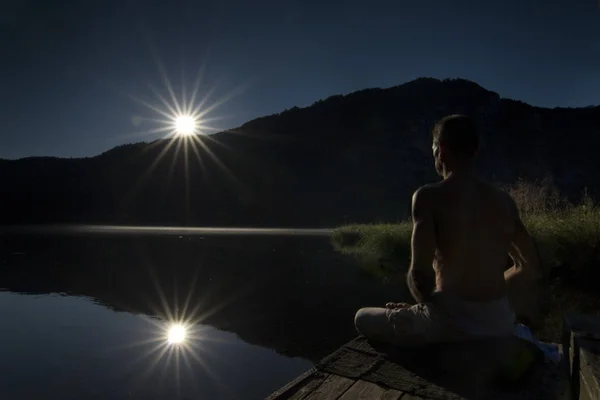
{"x":566,"y":234}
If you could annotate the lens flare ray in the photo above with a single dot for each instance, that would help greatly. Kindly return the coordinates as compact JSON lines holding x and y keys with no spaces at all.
{"x":168,"y":106}
{"x":196,"y":88}
{"x":185,"y":116}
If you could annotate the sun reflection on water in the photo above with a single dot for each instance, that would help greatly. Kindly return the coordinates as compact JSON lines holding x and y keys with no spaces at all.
{"x":176,"y":349}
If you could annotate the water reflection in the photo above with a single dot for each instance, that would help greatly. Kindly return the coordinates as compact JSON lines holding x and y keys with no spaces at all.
{"x":256,"y":312}
{"x":57,"y":347}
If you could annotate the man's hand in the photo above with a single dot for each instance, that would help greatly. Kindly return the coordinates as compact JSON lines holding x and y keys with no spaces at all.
{"x":525,"y":278}
{"x":394,"y":306}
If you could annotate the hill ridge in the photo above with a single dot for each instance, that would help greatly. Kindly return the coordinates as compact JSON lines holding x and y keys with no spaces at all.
{"x":348,"y":158}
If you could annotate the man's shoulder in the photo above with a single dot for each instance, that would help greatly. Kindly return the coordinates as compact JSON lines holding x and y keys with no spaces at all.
{"x":427,"y":190}
{"x":425,"y":195}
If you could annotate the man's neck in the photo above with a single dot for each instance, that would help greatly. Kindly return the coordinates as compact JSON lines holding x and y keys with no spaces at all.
{"x":458,"y":173}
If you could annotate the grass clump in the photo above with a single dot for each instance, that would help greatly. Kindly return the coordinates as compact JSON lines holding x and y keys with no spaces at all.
{"x":379,"y":248}
{"x":567,"y":237}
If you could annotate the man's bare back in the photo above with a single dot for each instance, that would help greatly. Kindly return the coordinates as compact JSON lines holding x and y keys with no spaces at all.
{"x":475,"y":224}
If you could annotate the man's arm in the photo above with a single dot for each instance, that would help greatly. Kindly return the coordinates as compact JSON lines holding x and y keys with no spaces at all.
{"x":524,"y":278}
{"x":421,"y":276}
{"x":522,"y":251}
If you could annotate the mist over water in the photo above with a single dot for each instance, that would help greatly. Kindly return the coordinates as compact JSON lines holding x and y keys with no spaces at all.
{"x":159,"y":230}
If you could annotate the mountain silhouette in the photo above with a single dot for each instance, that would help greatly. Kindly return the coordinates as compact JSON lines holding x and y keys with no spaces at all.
{"x":348,"y":158}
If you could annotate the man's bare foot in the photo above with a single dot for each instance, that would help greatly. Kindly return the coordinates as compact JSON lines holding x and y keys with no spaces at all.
{"x":393,"y":306}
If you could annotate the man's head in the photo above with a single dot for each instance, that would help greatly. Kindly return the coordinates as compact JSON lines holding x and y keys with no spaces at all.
{"x":455,"y":143}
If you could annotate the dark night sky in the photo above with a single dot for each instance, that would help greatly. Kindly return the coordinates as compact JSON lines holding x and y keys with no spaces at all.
{"x":67,"y":66}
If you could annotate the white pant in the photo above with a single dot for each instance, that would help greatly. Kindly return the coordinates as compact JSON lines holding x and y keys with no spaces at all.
{"x":444,"y":318}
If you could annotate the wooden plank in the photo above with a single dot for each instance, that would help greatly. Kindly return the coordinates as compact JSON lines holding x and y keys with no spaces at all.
{"x":589,"y":369}
{"x":306,"y":389}
{"x":577,"y":327}
{"x":333,"y":387}
{"x":292,"y":384}
{"x":363,"y":390}
{"x":563,"y":387}
{"x":300,"y":387}
{"x":392,"y":394}
{"x":411,"y":397}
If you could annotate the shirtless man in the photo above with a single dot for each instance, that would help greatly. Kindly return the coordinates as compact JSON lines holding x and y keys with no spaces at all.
{"x":463,"y":232}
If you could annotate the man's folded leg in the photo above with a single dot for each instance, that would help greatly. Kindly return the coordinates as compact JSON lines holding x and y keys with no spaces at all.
{"x":374,"y":323}
{"x":408,"y":326}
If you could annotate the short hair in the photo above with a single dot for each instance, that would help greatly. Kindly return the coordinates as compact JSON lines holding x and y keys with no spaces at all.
{"x":459,"y":134}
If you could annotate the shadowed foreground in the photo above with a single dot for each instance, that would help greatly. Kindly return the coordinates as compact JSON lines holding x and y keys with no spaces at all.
{"x":470,"y":370}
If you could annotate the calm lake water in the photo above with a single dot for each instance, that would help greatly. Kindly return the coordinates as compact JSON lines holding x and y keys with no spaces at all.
{"x":87,"y":317}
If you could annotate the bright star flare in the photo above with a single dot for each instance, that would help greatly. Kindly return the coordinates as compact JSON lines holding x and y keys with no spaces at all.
{"x":185,"y":125}
{"x":176,"y":334}
{"x":181,"y":111}
{"x":181,"y":115}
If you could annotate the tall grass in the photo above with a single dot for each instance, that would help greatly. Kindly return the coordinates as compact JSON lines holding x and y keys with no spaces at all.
{"x":567,"y":237}
{"x":381,"y":249}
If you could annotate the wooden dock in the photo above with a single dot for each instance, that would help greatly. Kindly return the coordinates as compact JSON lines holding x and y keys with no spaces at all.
{"x":317,"y":385}
{"x":364,"y":370}
{"x":581,"y":341}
